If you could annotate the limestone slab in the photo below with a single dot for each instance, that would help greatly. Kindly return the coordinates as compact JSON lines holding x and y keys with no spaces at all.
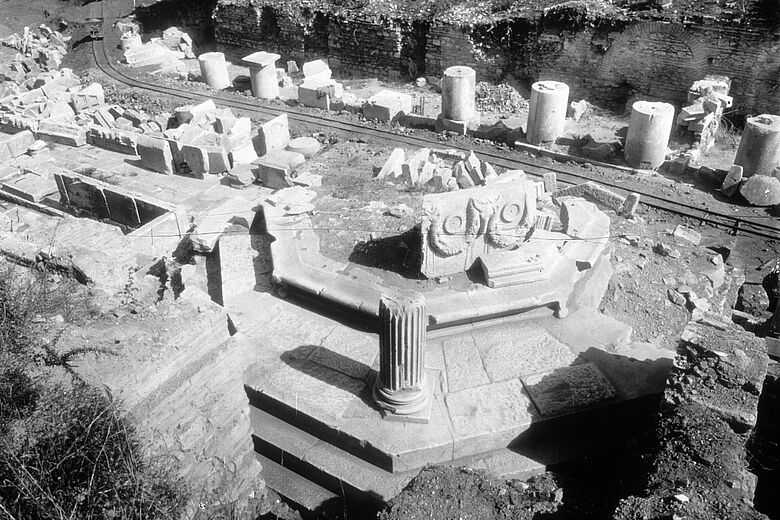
{"x":273,"y":135}
{"x":463,"y":364}
{"x":588,"y":328}
{"x":488,"y":416}
{"x":30,"y":187}
{"x":155,"y":154}
{"x":566,"y":389}
{"x":518,"y":350}
{"x":348,"y":351}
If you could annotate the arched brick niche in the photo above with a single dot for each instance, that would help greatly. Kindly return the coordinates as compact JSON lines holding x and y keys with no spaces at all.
{"x":656,"y":59}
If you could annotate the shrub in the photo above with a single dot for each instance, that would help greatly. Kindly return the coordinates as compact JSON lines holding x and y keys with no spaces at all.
{"x":66,"y":449}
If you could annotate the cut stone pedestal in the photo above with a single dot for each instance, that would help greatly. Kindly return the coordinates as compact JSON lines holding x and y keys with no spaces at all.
{"x":457,"y":93}
{"x":262,"y":73}
{"x":400,"y":389}
{"x":648,"y":134}
{"x":547,"y":111}
{"x":213,"y":68}
{"x":759,"y":148}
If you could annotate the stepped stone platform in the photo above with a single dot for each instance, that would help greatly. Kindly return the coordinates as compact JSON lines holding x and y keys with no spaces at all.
{"x":495,"y":381}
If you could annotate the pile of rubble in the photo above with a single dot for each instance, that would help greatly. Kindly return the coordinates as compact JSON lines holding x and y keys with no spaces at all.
{"x":437,"y":170}
{"x":502,"y":98}
{"x":161,"y":55}
{"x":708,"y":98}
{"x":42,"y":49}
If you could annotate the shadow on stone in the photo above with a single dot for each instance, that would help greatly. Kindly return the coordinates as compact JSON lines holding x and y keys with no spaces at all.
{"x":398,"y":253}
{"x":332,"y":368}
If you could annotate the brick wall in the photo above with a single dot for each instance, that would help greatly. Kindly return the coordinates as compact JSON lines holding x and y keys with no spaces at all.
{"x":607,"y":60}
{"x":362,"y":47}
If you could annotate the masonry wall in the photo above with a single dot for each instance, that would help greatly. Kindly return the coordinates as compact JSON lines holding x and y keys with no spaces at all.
{"x":363,"y":47}
{"x":603,"y":60}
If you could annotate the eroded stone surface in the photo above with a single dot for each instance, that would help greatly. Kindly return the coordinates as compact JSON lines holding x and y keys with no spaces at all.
{"x":460,"y":226}
{"x":509,"y":353}
{"x":565,"y":389}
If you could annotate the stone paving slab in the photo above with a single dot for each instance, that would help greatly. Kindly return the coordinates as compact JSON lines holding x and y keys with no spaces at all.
{"x":462,"y":364}
{"x":348,"y":351}
{"x":486,"y":415}
{"x":566,"y":389}
{"x":508,"y":354}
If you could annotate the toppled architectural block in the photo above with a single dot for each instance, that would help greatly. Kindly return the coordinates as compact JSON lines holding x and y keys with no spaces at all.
{"x":113,"y":139}
{"x":197,"y":160}
{"x":595,"y":192}
{"x":318,"y":93}
{"x":458,"y":227}
{"x":155,"y":154}
{"x":392,"y":167}
{"x":218,"y":159}
{"x":273,"y":135}
{"x":386,"y":105}
{"x":15,"y":145}
{"x":589,"y":226}
{"x":306,"y":146}
{"x":761,"y":190}
{"x":316,"y":70}
{"x":63,"y":133}
{"x":29,"y":186}
{"x":90,"y":97}
{"x":410,"y":169}
{"x":151,"y":54}
{"x":732,"y":181}
{"x":274,"y":170}
{"x":530,"y":263}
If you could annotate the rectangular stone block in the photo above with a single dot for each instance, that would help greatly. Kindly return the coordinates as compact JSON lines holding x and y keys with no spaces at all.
{"x":113,"y":139}
{"x":386,"y":106}
{"x":88,"y":98}
{"x":155,"y":154}
{"x":218,"y":159}
{"x":30,"y":187}
{"x":196,"y":159}
{"x":18,"y":143}
{"x":273,"y":135}
{"x":272,"y":174}
{"x":319,"y":93}
{"x":63,"y":133}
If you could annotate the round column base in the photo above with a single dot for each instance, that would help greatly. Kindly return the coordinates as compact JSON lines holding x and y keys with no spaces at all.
{"x":402,"y":402}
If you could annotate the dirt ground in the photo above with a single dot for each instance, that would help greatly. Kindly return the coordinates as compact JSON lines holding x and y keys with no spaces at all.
{"x":371,"y":223}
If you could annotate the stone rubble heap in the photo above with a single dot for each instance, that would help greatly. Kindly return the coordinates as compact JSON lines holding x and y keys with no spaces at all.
{"x":708,"y":98}
{"x":39,"y":50}
{"x":437,"y":170}
{"x":161,"y":55}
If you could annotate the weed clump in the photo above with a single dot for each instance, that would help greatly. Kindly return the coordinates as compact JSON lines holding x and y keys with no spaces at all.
{"x":66,"y":449}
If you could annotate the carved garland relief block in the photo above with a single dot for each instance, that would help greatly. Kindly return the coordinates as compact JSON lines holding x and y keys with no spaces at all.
{"x":461,"y":226}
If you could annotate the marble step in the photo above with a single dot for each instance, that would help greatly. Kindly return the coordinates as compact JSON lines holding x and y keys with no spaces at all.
{"x":294,"y":487}
{"x":344,"y":474}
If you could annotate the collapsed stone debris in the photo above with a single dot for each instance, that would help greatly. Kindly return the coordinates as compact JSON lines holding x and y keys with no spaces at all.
{"x":708,"y":98}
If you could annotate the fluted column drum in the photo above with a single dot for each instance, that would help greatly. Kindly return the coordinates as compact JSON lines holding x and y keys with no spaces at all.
{"x":400,"y":384}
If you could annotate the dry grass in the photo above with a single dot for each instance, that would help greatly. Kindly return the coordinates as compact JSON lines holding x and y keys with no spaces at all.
{"x":66,"y":449}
